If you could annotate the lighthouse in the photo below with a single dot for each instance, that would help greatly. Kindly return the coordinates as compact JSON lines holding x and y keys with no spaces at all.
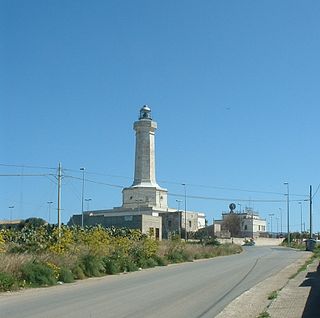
{"x":144,"y":191}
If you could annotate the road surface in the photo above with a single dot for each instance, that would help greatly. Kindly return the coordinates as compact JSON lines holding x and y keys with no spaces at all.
{"x":199,"y":289}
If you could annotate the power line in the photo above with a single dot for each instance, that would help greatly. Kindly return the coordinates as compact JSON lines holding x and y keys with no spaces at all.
{"x":24,"y":175}
{"x":26,"y":166}
{"x":97,"y":182}
{"x":223,"y":199}
{"x":316,"y":191}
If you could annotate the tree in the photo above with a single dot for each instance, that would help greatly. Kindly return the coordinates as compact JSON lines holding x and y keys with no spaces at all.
{"x":32,"y":223}
{"x":231,"y":222}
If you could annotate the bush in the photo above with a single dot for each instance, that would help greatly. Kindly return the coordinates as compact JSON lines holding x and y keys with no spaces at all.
{"x":38,"y":274}
{"x":161,"y":261}
{"x":65,"y":275}
{"x":7,"y":282}
{"x":111,"y":266}
{"x":92,"y":265}
{"x":78,"y":272}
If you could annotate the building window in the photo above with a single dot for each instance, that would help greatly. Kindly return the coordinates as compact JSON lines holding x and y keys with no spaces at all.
{"x":151,"y":231}
{"x":245,"y":227}
{"x":190,"y":223}
{"x":131,"y":198}
{"x":169,"y":223}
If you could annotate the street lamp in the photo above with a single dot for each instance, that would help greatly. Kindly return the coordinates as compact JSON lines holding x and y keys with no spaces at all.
{"x":300,"y":203}
{"x":10,"y":209}
{"x":88,"y":200}
{"x":185,"y":212}
{"x":280,"y":220}
{"x":179,"y":215}
{"x":49,"y":210}
{"x":271,"y":215}
{"x":82,"y":195}
{"x":288,"y":212}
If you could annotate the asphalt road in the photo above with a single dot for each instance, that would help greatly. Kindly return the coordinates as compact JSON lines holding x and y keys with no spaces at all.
{"x":199,"y":289}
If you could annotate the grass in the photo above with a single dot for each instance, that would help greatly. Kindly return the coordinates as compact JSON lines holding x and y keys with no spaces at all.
{"x":273,"y":295}
{"x":303,"y":267}
{"x":264,"y":314}
{"x":44,"y":269}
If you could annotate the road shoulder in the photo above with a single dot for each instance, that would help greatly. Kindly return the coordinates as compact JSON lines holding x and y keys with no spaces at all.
{"x":255,"y":300}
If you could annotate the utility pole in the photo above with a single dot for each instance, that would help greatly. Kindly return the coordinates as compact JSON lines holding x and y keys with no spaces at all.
{"x":185,"y":212}
{"x":82,"y":196}
{"x":49,"y":211}
{"x":300,"y":203}
{"x":59,"y":197}
{"x":310,"y":200}
{"x":288,"y":213}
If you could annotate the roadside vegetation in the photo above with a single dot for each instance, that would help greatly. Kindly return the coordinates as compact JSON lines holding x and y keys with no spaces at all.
{"x":40,"y":255}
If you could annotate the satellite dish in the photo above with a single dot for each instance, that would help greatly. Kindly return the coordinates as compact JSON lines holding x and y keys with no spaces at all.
{"x":232,"y":207}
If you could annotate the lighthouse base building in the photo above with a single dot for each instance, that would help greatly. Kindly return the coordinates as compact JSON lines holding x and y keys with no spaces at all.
{"x":145,"y":203}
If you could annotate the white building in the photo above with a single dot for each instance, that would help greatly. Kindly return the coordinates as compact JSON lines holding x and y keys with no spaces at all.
{"x":144,"y":197}
{"x":251,"y":224}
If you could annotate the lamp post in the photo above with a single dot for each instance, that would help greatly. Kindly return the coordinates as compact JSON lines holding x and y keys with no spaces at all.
{"x":88,"y":206}
{"x":239,"y":206}
{"x":82,"y":195}
{"x":280,"y":220}
{"x":185,"y":212}
{"x":300,"y":203}
{"x":271,"y":215}
{"x":288,"y":212}
{"x":11,"y":209}
{"x":179,"y":215}
{"x":49,"y":211}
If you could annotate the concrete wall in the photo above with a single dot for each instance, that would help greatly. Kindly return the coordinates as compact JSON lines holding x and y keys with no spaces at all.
{"x":260,"y":241}
{"x":140,"y":222}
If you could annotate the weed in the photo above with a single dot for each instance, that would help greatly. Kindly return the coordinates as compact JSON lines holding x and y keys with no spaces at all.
{"x":65,"y":275}
{"x":7,"y":282}
{"x":273,"y":295}
{"x":37,"y":274}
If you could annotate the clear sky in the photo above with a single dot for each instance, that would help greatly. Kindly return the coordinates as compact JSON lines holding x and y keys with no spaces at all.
{"x":233,"y":85}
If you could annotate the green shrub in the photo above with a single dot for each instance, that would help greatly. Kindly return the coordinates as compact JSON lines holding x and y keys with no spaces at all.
{"x":92,"y":265}
{"x":161,"y":261}
{"x":38,"y":274}
{"x":65,"y":275}
{"x":130,"y":266}
{"x":111,"y":266}
{"x":7,"y":282}
{"x":147,"y":262}
{"x":78,"y":272}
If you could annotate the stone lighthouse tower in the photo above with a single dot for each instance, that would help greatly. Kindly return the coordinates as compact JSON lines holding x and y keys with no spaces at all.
{"x":145,"y":192}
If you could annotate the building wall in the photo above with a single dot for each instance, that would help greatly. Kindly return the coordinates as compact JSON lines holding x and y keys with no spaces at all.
{"x":141,"y":222}
{"x":135,"y":197}
{"x":174,"y":222}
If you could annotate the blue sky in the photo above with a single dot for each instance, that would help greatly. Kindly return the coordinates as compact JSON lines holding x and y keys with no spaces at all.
{"x":233,"y":85}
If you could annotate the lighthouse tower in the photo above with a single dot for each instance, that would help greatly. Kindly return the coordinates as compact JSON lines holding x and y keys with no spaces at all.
{"x":145,"y":192}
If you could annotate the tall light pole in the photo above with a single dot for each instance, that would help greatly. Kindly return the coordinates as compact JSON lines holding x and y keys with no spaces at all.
{"x":179,"y":201}
{"x":11,"y":209}
{"x":271,"y":215}
{"x":185,"y":212}
{"x":88,"y":206}
{"x":82,"y":196}
{"x":288,"y":212}
{"x":239,"y":206}
{"x":300,"y":203}
{"x":280,"y":220}
{"x":49,"y":210}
